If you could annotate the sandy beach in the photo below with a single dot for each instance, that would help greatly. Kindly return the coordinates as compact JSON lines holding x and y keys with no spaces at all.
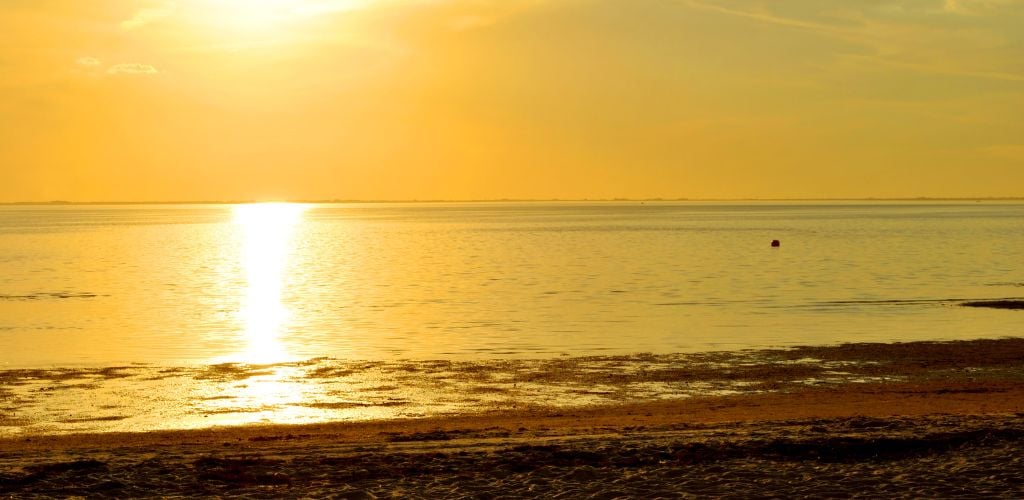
{"x":952,"y":425}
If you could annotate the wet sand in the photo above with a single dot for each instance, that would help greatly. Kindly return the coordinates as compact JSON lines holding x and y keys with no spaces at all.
{"x":141,"y":398}
{"x":946,"y":421}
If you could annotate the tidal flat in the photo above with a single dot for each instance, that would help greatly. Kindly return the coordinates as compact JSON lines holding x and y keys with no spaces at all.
{"x":932,"y":419}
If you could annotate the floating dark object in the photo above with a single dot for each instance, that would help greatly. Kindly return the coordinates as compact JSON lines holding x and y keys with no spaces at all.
{"x":776,"y":243}
{"x":996,"y":304}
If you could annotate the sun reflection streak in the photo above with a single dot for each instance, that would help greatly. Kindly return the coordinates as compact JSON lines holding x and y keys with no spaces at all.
{"x":257,"y":383}
{"x":267,"y":230}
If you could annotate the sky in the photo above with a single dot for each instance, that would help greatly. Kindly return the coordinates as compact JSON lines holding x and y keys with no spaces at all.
{"x":118,"y":100}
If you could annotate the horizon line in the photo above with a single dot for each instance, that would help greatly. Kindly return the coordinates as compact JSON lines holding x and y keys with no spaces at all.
{"x":508,"y":200}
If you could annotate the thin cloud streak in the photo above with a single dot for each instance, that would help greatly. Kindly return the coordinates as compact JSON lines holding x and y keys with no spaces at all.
{"x":132,"y":69}
{"x":91,"y":62}
{"x":768,"y":18}
{"x":974,"y":7}
{"x":149,"y":15}
{"x":868,"y":36}
{"x":311,"y":8}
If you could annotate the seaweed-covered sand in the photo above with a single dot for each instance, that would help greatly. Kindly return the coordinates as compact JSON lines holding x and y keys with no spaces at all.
{"x":923,"y":420}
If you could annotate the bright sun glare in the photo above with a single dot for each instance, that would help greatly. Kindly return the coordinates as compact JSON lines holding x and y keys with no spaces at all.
{"x":267,"y":230}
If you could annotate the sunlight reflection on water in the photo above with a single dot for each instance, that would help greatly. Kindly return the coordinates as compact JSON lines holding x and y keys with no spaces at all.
{"x":267,"y":230}
{"x":267,"y":234}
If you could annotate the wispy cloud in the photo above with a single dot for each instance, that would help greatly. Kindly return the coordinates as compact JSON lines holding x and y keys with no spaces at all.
{"x":149,"y":15}
{"x":762,"y":16}
{"x":906,"y":41}
{"x":132,"y":69}
{"x":975,"y":7}
{"x":317,"y":7}
{"x":1006,"y":151}
{"x":90,"y":62}
{"x":471,"y":21}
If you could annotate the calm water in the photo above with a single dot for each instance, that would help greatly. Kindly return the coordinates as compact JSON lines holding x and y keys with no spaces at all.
{"x":184,"y":284}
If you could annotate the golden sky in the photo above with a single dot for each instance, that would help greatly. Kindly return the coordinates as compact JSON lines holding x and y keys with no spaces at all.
{"x":119,"y":100}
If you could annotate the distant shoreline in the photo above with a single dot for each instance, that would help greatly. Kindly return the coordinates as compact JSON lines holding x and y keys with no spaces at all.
{"x":514,"y":200}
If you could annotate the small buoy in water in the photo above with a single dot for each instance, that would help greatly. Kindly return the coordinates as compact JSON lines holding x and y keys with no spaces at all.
{"x":776,"y":243}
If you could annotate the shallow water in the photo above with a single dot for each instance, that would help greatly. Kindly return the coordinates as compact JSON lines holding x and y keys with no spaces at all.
{"x":144,"y":398}
{"x":136,"y":398}
{"x":199,"y":284}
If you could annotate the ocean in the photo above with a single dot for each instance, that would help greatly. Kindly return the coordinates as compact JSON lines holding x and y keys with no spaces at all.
{"x":172,"y":284}
{"x":141,"y":317}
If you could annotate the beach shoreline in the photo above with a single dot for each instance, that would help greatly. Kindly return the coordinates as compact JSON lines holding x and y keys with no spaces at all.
{"x":954,"y":436}
{"x":919,"y":419}
{"x":140,"y":399}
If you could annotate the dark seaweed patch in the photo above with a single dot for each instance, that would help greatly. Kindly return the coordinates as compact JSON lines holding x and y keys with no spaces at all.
{"x":50,"y":296}
{"x":996,"y":304}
